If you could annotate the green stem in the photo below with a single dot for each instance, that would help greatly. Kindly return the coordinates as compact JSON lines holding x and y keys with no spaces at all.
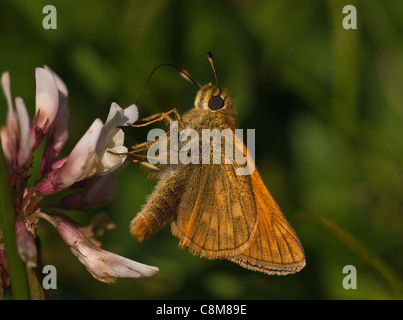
{"x":35,"y":286}
{"x":16,"y":266}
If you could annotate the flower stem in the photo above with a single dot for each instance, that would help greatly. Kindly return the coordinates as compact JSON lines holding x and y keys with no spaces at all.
{"x":35,"y":287}
{"x":16,"y":266}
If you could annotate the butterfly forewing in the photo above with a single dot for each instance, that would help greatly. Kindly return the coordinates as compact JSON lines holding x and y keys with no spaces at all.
{"x":217,"y":216}
{"x":275,"y":248}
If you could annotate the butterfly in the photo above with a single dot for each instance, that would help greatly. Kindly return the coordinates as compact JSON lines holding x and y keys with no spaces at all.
{"x":214,"y":211}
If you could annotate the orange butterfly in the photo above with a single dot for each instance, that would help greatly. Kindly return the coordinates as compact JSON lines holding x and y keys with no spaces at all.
{"x":215,"y":212}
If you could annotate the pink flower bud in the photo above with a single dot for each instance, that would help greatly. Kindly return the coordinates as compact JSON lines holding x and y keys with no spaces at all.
{"x":58,"y":133}
{"x":25,"y":244}
{"x":12,"y":123}
{"x":25,"y":138}
{"x":103,"y":265}
{"x":17,"y":143}
{"x":47,"y":102}
{"x":8,"y":159}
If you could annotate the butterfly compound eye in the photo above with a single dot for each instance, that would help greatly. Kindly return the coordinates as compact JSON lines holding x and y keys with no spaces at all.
{"x":216,"y":103}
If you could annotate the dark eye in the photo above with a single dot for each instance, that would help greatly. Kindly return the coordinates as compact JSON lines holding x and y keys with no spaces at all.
{"x":216,"y":103}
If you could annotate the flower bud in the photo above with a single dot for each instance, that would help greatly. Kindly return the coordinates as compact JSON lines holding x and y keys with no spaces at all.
{"x":25,"y":244}
{"x":58,"y":133}
{"x":11,"y":134}
{"x":25,"y":138}
{"x":46,"y":104}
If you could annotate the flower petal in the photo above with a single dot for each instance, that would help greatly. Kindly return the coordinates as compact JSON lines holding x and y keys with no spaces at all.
{"x":5,"y":83}
{"x":12,"y":117}
{"x":25,"y":143}
{"x":114,"y":118}
{"x":47,"y":99}
{"x":110,"y":161}
{"x":80,"y":164}
{"x":82,"y":161}
{"x":58,"y":134}
{"x":131,"y":114}
{"x":61,"y":86}
{"x":6,"y":152}
{"x":103,"y":265}
{"x":117,"y":117}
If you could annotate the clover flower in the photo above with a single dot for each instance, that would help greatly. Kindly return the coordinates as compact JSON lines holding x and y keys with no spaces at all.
{"x":89,"y":169}
{"x":90,"y":157}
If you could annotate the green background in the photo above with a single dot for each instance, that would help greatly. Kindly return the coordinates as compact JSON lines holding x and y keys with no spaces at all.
{"x":326,"y":104}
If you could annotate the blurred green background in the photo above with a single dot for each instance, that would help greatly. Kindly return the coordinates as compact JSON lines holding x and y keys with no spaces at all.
{"x":326,"y":104}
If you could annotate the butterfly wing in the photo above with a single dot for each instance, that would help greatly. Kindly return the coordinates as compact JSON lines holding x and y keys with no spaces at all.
{"x":275,"y":248}
{"x":217,"y":215}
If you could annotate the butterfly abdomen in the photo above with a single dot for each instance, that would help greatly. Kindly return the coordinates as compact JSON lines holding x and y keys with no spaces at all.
{"x":160,"y":207}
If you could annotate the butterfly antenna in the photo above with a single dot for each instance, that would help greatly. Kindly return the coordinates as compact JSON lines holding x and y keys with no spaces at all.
{"x":182,"y":72}
{"x":210,"y":59}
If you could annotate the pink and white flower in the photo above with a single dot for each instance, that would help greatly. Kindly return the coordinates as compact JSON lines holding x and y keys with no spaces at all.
{"x":96,"y":154}
{"x":92,"y":163}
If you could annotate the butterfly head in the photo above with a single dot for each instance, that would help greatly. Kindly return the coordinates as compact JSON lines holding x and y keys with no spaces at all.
{"x":210,"y":97}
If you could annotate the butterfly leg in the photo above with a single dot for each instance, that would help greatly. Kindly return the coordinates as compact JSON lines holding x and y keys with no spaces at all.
{"x":147,"y":144}
{"x":158,"y":117}
{"x":132,"y":155}
{"x":135,"y":152}
{"x":149,"y":120}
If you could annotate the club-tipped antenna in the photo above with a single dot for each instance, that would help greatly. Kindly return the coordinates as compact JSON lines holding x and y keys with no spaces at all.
{"x":210,"y":59}
{"x":182,"y":72}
